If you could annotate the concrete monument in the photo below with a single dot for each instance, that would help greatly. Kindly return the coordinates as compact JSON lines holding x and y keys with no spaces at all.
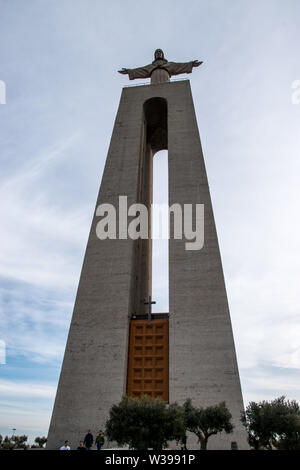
{"x":116,"y":346}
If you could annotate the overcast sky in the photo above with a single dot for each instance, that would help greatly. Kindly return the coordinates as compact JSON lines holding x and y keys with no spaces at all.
{"x":59,"y":61}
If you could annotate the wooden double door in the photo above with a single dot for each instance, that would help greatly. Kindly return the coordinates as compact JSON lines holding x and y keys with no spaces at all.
{"x":148,"y":360}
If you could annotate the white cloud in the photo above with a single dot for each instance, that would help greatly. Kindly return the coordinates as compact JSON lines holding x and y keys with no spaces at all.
{"x":34,"y":323}
{"x":25,"y":389}
{"x":29,"y":419}
{"x":39,"y":239}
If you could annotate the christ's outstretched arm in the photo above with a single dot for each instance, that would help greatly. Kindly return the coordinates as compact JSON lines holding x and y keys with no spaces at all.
{"x":176,"y":68}
{"x":140,"y":72}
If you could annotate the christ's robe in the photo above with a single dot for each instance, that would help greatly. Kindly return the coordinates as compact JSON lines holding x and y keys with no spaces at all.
{"x":160,"y":70}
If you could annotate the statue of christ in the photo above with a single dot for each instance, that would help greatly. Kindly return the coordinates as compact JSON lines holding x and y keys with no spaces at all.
{"x":160,"y":70}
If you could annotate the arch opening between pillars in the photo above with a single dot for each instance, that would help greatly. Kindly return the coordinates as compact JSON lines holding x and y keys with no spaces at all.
{"x":148,"y":351}
{"x":156,"y":123}
{"x":154,"y":139}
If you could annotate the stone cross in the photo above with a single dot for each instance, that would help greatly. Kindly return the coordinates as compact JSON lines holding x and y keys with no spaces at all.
{"x":149,"y":303}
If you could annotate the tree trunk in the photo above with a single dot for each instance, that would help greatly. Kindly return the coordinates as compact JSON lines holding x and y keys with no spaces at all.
{"x":203,"y":443}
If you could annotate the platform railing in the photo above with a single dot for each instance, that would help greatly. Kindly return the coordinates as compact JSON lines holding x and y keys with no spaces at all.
{"x":152,"y":84}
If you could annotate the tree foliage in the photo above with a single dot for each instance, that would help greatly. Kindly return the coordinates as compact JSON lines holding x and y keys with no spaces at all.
{"x":41,"y":441}
{"x":145,"y":423}
{"x":273,"y":424}
{"x":14,"y":442}
{"x":205,"y":422}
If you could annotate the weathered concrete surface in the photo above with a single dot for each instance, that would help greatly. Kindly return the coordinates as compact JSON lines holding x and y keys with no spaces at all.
{"x":203,"y":362}
{"x":202,"y":355}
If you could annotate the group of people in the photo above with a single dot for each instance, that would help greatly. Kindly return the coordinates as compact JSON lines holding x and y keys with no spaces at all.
{"x":88,"y":442}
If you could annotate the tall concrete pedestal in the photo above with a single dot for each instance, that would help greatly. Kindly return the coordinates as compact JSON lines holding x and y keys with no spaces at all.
{"x":116,"y":278}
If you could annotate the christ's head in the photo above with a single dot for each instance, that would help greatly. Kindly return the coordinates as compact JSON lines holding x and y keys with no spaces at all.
{"x":158,"y":54}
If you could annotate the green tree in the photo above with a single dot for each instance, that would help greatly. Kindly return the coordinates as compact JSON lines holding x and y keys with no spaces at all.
{"x":14,"y":442}
{"x":145,"y":423}
{"x":289,"y":430}
{"x":289,"y":441}
{"x":7,"y":443}
{"x":205,"y":422}
{"x":41,"y":441}
{"x":19,"y":441}
{"x":273,"y":424}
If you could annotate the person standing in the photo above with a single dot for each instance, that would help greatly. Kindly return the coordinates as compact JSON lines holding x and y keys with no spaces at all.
{"x":88,"y":440}
{"x":81,"y":446}
{"x":100,"y":440}
{"x":65,"y":446}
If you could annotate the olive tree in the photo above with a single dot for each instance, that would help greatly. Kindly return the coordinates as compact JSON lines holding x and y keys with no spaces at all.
{"x":273,"y":423}
{"x":206,"y":422}
{"x":145,"y":423}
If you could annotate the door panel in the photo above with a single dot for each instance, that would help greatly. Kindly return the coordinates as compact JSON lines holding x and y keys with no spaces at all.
{"x":148,"y":362}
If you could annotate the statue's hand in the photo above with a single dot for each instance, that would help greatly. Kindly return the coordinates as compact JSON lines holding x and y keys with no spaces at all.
{"x":124,"y":71}
{"x":196,"y":63}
